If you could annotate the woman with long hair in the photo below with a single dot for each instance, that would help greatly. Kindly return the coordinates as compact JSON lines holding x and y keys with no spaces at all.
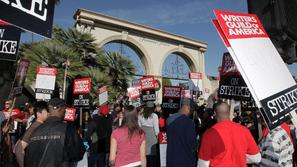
{"x":149,"y":123}
{"x":127,"y":147}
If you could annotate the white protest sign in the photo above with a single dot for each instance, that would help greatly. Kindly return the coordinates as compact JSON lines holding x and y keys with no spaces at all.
{"x":196,"y":78}
{"x":134,"y":92}
{"x":103,"y":95}
{"x":163,"y":148}
{"x":251,"y":49}
{"x":45,"y":82}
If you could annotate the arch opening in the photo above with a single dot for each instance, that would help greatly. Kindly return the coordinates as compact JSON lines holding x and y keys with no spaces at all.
{"x":176,"y":67}
{"x":128,"y":51}
{"x":137,"y":51}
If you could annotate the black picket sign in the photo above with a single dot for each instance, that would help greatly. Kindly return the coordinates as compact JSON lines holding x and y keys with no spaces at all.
{"x":148,"y":95}
{"x":20,"y":77}
{"x":233,"y":87}
{"x":278,"y":106}
{"x":43,"y":91}
{"x":273,"y":124}
{"x":81,"y":100}
{"x":170,"y":106}
{"x":9,"y":41}
{"x":32,"y":15}
{"x":248,"y":105}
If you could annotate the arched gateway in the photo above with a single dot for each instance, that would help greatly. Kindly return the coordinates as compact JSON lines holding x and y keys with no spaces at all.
{"x":152,"y":45}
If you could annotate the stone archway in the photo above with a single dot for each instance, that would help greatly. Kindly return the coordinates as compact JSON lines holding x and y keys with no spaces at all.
{"x":152,"y":45}
{"x":139,"y":49}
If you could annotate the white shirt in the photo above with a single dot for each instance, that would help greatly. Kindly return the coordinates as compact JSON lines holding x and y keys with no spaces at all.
{"x":152,"y":121}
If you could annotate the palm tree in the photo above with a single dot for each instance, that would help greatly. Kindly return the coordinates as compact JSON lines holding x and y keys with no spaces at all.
{"x":166,"y":82}
{"x":114,"y":64}
{"x":52,"y":53}
{"x":119,"y":68}
{"x":82,"y":43}
{"x":100,"y":79}
{"x":86,"y":60}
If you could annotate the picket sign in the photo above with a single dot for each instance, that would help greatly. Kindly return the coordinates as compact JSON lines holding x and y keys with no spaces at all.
{"x":10,"y":39}
{"x":103,"y":95}
{"x":163,"y":147}
{"x":251,"y":48}
{"x":171,"y":98}
{"x":45,"y":82}
{"x":20,"y":77}
{"x":35,"y":15}
{"x":147,"y":83}
{"x":70,"y":114}
{"x":196,"y":78}
{"x":82,"y":86}
{"x":134,"y":94}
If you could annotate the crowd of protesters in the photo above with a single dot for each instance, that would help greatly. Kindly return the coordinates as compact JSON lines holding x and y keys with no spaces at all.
{"x":122,"y":135}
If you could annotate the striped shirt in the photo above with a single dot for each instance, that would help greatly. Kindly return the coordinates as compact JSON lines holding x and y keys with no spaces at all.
{"x":276,"y":149}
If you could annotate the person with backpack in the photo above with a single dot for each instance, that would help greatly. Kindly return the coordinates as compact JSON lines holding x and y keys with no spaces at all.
{"x":54,"y":143}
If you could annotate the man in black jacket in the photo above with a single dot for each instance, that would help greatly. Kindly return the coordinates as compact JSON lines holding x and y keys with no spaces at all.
{"x":54,"y":143}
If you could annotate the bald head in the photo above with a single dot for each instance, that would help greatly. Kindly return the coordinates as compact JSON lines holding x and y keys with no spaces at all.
{"x":222,"y":111}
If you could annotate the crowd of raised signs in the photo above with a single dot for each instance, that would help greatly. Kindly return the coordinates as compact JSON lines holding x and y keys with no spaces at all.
{"x":99,"y":126}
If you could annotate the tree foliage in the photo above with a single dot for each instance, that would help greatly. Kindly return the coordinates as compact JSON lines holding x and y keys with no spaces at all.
{"x":166,"y":82}
{"x":85,"y":60}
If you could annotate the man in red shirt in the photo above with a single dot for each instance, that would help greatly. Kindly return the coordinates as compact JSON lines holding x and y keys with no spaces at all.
{"x":15,"y":113}
{"x":227,"y":144}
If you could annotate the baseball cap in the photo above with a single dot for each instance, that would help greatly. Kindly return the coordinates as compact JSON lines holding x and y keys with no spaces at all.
{"x":57,"y":102}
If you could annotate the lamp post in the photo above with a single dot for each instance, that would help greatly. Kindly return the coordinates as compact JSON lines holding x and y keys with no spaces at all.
{"x":66,"y":64}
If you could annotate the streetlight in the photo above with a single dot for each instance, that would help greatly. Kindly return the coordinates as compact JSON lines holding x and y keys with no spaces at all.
{"x":66,"y":64}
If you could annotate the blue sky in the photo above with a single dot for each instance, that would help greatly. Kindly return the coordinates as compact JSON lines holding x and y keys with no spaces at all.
{"x":190,"y":18}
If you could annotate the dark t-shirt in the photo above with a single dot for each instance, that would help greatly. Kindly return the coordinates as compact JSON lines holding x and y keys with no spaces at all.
{"x":29,"y":132}
{"x":181,"y":141}
{"x":102,"y":127}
